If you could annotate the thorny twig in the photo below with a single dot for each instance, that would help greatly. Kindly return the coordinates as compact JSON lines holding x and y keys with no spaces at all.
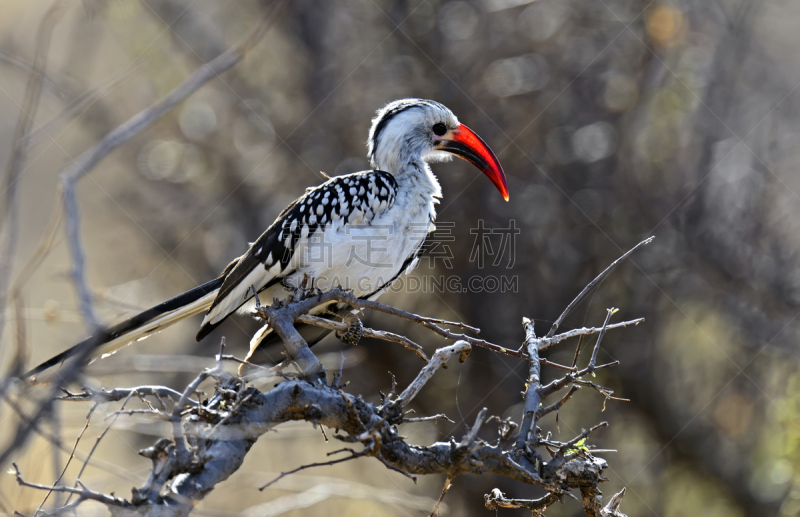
{"x":82,"y":492}
{"x":97,"y":443}
{"x":591,"y":368}
{"x":593,"y":283}
{"x":69,"y":460}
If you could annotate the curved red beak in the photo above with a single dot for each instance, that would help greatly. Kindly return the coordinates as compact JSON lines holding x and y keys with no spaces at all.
{"x":464,"y":143}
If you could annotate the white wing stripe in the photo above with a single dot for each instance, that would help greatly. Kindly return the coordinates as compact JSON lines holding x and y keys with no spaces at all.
{"x":155,"y":326}
{"x":259,"y":277}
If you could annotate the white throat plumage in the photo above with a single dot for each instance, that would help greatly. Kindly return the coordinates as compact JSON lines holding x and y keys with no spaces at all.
{"x":400,"y":143}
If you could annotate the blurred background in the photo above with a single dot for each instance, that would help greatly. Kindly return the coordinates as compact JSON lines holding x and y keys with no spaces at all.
{"x":614,"y":120}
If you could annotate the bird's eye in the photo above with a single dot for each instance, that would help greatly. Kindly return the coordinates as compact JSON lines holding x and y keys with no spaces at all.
{"x":439,"y":129}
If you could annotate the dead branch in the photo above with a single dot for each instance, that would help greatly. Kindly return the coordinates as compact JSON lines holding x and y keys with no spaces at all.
{"x":368,"y":332}
{"x":462,"y":348}
{"x":83,"y":493}
{"x":496,"y":499}
{"x":532,"y":396}
{"x":210,"y":438}
{"x":593,"y":283}
{"x":311,"y":299}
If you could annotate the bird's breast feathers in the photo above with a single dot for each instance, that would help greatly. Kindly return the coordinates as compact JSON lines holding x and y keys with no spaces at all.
{"x":351,"y":231}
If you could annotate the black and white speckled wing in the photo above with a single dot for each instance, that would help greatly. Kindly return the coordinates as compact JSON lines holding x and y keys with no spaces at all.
{"x":356,"y":198}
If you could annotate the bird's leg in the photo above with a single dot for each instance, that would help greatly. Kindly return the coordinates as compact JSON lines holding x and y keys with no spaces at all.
{"x":307,"y":288}
{"x":354,"y":331}
{"x":314,"y":291}
{"x":297,"y":291}
{"x":259,"y":308}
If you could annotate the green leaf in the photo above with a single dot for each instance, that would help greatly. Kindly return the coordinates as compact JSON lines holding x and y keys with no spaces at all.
{"x":579,"y":446}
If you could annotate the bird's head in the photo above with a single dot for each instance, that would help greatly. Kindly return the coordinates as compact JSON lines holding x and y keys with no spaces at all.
{"x":410,"y":130}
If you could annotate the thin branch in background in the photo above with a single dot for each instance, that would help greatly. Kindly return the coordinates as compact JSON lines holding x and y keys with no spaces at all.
{"x":447,"y":484}
{"x":69,"y":371}
{"x":96,"y":444}
{"x":27,"y":115}
{"x":578,"y":352}
{"x":54,"y":420}
{"x":353,"y":455}
{"x":47,"y":81}
{"x":19,"y":361}
{"x":593,"y":283}
{"x":80,"y":167}
{"x":69,"y":460}
{"x":124,"y":132}
{"x":42,"y":249}
{"x":80,"y":101}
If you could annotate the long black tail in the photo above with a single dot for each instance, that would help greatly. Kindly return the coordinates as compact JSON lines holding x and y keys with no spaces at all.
{"x":134,"y":323}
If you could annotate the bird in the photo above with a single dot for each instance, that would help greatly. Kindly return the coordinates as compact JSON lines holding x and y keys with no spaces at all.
{"x":361,"y":231}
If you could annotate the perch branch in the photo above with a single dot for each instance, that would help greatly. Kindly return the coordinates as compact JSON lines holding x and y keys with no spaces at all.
{"x":210,"y":439}
{"x":367,"y":332}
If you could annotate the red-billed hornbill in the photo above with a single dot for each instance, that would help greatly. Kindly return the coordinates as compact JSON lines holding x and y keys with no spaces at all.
{"x":361,"y":231}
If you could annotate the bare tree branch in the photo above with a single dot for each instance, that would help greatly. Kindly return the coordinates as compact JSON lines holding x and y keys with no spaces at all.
{"x":593,"y":283}
{"x":211,"y":438}
{"x":26,"y":120}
